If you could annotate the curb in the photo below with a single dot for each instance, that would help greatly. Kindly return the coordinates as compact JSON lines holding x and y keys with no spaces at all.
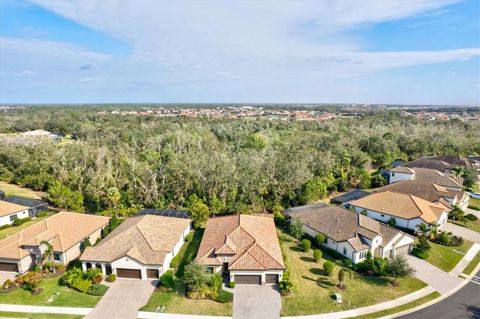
{"x":437,"y":300}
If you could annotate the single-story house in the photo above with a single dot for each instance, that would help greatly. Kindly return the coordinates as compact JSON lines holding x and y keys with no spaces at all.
{"x":10,"y":211}
{"x":34,"y":205}
{"x":453,"y":160}
{"x":244,"y":247}
{"x":429,"y":191}
{"x":446,"y":180}
{"x":349,"y":196}
{"x":407,"y":211}
{"x":350,"y":234}
{"x":429,"y":163}
{"x":64,"y":231}
{"x":142,"y":247}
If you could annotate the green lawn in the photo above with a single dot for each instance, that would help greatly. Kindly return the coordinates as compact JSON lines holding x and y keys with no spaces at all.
{"x":66,"y":297}
{"x":410,"y":305}
{"x":14,"y":229}
{"x":38,"y":315}
{"x":190,"y":252}
{"x":15,"y":190}
{"x":473,"y":225}
{"x":447,"y":257}
{"x":176,"y":302}
{"x":471,"y":266}
{"x":312,"y":292}
{"x":474,"y":201}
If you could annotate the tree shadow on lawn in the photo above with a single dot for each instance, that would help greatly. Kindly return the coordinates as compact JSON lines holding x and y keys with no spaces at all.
{"x":296,"y":248}
{"x":316,"y":271}
{"x":307,"y":259}
{"x":377,"y":281}
{"x":322,"y":282}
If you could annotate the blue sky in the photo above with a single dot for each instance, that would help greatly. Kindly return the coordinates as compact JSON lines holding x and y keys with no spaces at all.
{"x":322,"y":51}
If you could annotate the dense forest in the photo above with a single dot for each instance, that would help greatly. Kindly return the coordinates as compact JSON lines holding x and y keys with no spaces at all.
{"x":121,"y":163}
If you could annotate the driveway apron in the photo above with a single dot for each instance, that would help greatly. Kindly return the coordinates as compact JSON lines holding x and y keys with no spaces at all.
{"x":256,"y":302}
{"x":123,"y":299}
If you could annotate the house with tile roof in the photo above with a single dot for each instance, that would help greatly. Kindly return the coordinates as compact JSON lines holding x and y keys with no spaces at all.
{"x":11,"y":211}
{"x":429,"y":191}
{"x":142,"y":247}
{"x":243,"y":247}
{"x":350,"y":234}
{"x":65,"y":231}
{"x":34,"y":205}
{"x":446,"y":180}
{"x":407,"y":211}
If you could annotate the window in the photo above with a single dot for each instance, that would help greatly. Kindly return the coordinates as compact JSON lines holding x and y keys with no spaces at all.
{"x":393,"y":174}
{"x":13,"y":217}
{"x":345,"y":251}
{"x":57,"y":256}
{"x":363,"y":254}
{"x":382,"y":215}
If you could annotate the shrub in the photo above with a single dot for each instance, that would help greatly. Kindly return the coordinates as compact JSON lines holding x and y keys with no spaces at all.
{"x":36,"y":268}
{"x":471,"y":217}
{"x":224,"y":296}
{"x":31,"y":281}
{"x":285,"y":287}
{"x":82,"y":285}
{"x":175,"y":261}
{"x":92,"y":273}
{"x":422,"y":254}
{"x":447,"y":239}
{"x":317,"y":255}
{"x":5,"y":227}
{"x":320,"y":239}
{"x":195,"y":277}
{"x":97,"y":290}
{"x":306,"y":244}
{"x":20,"y":221}
{"x":328,"y":267}
{"x":8,"y":284}
{"x":392,"y":222}
{"x":296,"y":228}
{"x":231,"y":284}
{"x":474,"y":207}
{"x":167,"y":280}
{"x":111,"y":278}
{"x":189,"y":237}
{"x":279,"y":219}
{"x":97,"y":279}
{"x":43,"y":213}
{"x":71,"y":276}
{"x":423,"y":244}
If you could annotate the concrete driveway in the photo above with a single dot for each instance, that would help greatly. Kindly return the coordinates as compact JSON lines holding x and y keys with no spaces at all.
{"x":123,"y":299}
{"x":435,"y":277}
{"x":256,"y":302}
{"x":464,"y":232}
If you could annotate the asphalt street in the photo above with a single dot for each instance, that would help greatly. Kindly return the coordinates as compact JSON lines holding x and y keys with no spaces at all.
{"x":464,"y":304}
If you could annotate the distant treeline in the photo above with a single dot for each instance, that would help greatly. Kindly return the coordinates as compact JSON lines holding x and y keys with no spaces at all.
{"x":220,"y":166}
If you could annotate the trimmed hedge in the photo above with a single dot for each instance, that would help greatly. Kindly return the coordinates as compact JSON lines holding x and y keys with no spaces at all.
{"x":20,"y":221}
{"x":474,"y":207}
{"x":328,"y":267}
{"x":471,"y":217}
{"x":43,"y":213}
{"x":97,"y":290}
{"x":224,"y":296}
{"x":82,"y":285}
{"x":111,"y":278}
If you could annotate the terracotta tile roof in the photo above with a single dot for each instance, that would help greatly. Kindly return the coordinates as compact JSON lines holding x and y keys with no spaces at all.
{"x":341,"y":225}
{"x":425,"y":190}
{"x":145,"y":238}
{"x":63,"y":230}
{"x":7,"y":208}
{"x":401,"y":205}
{"x":251,"y":241}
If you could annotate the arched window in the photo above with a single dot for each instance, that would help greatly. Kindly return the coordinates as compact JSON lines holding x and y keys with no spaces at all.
{"x":88,"y":265}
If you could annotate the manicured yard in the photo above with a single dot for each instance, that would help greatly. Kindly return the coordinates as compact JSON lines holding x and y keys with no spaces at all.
{"x":14,"y":229}
{"x":472,"y":201}
{"x":15,"y":190}
{"x":471,"y":266}
{"x":473,"y":225}
{"x":66,"y":297}
{"x":410,"y":305}
{"x":447,"y":257}
{"x":38,"y":315}
{"x":189,"y":252}
{"x":178,"y":303}
{"x":312,"y":292}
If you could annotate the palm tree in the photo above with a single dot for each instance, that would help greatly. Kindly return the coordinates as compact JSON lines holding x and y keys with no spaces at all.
{"x":456,"y":213}
{"x":458,"y":171}
{"x":433,"y":230}
{"x":422,"y":229}
{"x":47,"y":254}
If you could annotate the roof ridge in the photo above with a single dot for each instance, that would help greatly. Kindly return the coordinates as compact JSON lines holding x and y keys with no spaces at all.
{"x":413,"y":198}
{"x":143,"y":235}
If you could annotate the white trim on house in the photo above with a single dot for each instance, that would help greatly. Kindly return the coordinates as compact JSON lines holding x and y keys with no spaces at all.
{"x":10,"y":218}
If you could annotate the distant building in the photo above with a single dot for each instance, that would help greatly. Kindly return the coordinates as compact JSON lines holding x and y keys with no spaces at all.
{"x":447,"y":180}
{"x":34,"y":205}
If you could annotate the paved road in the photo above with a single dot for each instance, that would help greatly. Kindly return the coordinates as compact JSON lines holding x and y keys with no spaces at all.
{"x":464,"y":304}
{"x":262,"y":302}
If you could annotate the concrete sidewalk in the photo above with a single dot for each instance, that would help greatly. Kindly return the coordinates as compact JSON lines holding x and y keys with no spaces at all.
{"x":467,"y":258}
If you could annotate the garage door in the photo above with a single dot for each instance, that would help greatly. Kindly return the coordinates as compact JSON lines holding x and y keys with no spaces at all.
{"x":152,"y":273}
{"x":271,"y":279}
{"x":8,"y":267}
{"x":129,"y":273}
{"x":248,"y":279}
{"x":403,"y":250}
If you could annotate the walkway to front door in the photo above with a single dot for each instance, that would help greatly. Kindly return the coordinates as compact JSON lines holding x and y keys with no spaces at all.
{"x":123,"y":299}
{"x":256,"y":302}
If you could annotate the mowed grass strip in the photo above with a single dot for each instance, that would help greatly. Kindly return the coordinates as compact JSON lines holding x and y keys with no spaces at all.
{"x":473,"y":263}
{"x":313,"y":292}
{"x":61,"y":295}
{"x":7,"y":314}
{"x":410,"y":305}
{"x":447,"y":257}
{"x":15,"y":190}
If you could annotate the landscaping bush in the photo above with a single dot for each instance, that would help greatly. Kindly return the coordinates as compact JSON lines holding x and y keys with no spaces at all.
{"x":70,"y":277}
{"x":81,"y":285}
{"x":328,"y":267}
{"x":167,"y":280}
{"x":373,"y":266}
{"x":320,"y":239}
{"x":422,"y":254}
{"x":92,"y":273}
{"x":471,"y":217}
{"x":97,"y":279}
{"x":224,"y":296}
{"x":474,"y":207}
{"x":111,"y":278}
{"x":4,"y":227}
{"x":20,"y":221}
{"x":43,"y":213}
{"x":448,"y":239}
{"x":97,"y":290}
{"x":285,"y":287}
{"x":306,"y":244}
{"x":31,"y":282}
{"x":317,"y":255}
{"x":231,"y":284}
{"x":279,"y":219}
{"x":175,"y":261}
{"x":189,"y":237}
{"x":36,"y":268}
